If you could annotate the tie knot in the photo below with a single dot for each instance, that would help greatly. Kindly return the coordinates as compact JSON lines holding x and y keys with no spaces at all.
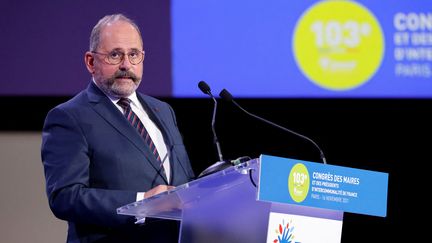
{"x":124,"y":103}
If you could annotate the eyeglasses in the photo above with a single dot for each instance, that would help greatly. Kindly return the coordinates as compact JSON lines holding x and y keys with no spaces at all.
{"x":115,"y":57}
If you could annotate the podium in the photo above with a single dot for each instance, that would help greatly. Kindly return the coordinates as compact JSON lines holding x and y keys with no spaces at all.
{"x":267,"y":199}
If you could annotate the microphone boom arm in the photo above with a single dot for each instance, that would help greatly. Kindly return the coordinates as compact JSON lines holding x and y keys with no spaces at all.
{"x":285,"y":129}
{"x":216,"y":140}
{"x":203,"y":86}
{"x":228,"y":97}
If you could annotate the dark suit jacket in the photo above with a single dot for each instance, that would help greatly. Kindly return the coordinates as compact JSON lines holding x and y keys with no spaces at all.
{"x":95,"y":162}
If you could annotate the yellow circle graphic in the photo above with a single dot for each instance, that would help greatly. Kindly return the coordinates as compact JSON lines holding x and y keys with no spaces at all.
{"x":338,"y":44}
{"x":298,"y":182}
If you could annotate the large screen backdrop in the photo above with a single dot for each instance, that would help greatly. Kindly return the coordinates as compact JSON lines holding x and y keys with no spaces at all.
{"x":254,"y":48}
{"x":43,"y":44}
{"x":304,"y":48}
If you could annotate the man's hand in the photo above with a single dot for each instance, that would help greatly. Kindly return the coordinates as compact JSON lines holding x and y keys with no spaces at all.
{"x":157,"y":190}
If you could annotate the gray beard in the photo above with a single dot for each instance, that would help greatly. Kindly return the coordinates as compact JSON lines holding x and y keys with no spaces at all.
{"x":111,"y":88}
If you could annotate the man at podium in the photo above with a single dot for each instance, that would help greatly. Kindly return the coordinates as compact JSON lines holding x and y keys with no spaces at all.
{"x":110,"y":145}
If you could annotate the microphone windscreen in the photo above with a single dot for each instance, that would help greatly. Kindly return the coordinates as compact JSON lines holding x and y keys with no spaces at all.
{"x":224,"y":94}
{"x":203,"y":86}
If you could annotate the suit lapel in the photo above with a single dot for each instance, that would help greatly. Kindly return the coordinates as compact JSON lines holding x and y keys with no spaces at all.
{"x":106,"y":109}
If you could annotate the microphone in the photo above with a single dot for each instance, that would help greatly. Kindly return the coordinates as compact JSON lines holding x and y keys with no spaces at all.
{"x":203,"y":86}
{"x":224,"y":94}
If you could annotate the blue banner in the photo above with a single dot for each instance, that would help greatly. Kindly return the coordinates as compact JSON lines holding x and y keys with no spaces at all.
{"x":319,"y":185}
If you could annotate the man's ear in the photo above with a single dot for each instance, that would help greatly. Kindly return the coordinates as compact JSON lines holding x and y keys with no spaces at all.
{"x":89,"y":62}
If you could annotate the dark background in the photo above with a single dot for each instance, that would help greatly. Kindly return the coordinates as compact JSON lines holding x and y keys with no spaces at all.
{"x":390,"y":136}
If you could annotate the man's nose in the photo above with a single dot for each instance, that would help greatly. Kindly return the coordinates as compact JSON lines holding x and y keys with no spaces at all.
{"x":125,"y":64}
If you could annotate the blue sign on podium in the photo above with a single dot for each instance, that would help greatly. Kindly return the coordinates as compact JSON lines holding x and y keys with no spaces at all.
{"x":325,"y":186}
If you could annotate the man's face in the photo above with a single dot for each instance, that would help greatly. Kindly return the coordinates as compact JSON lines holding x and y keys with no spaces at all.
{"x":122,"y":79}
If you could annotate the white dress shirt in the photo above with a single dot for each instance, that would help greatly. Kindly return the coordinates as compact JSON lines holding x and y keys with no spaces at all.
{"x":152,"y":129}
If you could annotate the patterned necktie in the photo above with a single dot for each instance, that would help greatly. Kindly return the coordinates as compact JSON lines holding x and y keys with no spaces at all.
{"x":136,"y":122}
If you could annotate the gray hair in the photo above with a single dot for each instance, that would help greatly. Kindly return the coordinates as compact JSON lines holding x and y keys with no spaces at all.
{"x":96,"y":32}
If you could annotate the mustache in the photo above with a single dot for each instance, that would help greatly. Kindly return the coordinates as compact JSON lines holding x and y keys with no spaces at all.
{"x":123,"y":74}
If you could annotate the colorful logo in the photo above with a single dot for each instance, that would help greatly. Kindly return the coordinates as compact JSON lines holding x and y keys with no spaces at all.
{"x":285,"y":233}
{"x":298,"y":182}
{"x":338,"y":45}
